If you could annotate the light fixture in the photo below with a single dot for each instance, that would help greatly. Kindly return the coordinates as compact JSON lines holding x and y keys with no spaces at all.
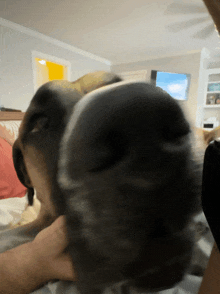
{"x":42,"y":61}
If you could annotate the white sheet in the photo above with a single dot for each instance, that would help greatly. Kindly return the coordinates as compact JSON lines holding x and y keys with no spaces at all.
{"x":11,"y":210}
{"x":190,"y":285}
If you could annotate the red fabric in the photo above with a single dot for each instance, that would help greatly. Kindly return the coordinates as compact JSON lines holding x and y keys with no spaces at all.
{"x":10,"y":186}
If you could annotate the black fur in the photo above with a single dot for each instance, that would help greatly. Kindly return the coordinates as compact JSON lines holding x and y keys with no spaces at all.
{"x":126,"y":179}
{"x":131,"y":185}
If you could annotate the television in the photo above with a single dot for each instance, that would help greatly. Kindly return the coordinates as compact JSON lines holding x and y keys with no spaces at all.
{"x":176,"y":84}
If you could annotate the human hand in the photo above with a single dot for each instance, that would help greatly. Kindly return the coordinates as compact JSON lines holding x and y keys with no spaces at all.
{"x":49,"y":246}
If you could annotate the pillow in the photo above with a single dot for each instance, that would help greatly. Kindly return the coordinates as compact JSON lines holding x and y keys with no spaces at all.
{"x":10,"y":186}
{"x":9,"y":130}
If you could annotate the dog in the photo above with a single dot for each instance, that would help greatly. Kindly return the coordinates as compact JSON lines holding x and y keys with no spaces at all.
{"x":116,"y":159}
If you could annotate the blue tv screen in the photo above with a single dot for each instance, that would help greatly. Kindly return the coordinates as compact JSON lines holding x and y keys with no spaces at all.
{"x":177,"y":85}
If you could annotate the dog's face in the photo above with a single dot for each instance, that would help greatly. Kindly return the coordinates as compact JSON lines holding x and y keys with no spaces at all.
{"x":36,"y":149}
{"x":118,"y":163}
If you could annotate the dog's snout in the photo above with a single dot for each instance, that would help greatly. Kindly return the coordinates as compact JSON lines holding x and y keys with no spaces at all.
{"x":119,"y":168}
{"x":161,"y":230}
{"x":169,"y":276}
{"x":108,"y":124}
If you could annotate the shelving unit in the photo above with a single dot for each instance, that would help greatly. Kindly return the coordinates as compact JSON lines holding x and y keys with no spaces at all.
{"x":212,"y":88}
{"x":209,"y":78}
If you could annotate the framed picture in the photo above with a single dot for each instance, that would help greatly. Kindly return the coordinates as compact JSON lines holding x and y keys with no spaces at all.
{"x":210,"y":99}
{"x":212,"y":87}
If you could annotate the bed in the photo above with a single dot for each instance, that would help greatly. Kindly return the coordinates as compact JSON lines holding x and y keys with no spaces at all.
{"x":16,"y":212}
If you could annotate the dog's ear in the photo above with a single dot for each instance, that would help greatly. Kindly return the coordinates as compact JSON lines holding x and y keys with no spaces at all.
{"x":95,"y":80}
{"x":22,"y":172}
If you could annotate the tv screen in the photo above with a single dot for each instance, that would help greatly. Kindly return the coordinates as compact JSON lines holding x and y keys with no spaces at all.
{"x":176,"y":84}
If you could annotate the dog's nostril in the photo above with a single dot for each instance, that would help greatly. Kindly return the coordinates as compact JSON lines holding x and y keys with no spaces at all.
{"x":174,"y":135}
{"x":176,"y":131}
{"x":116,"y":145}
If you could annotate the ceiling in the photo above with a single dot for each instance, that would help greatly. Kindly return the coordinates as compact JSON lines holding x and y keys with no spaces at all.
{"x":122,"y":32}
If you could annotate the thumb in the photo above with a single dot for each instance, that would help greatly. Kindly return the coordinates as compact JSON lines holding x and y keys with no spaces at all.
{"x":60,"y":230}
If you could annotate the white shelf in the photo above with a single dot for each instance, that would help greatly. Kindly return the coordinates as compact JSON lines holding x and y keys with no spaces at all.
{"x":214,"y":82}
{"x":212,"y":106}
{"x":213,"y":92}
{"x":207,"y":93}
{"x":207,"y":76}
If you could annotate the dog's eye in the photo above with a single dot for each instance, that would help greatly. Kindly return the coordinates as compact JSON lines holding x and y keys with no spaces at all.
{"x":39,"y":124}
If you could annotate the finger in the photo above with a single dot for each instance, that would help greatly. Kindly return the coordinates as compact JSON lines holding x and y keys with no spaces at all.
{"x":59,"y":222}
{"x":60,"y":232}
{"x":66,"y":270}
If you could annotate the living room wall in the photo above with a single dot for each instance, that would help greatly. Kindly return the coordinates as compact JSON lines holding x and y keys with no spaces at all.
{"x":189,"y":63}
{"x":16,"y":69}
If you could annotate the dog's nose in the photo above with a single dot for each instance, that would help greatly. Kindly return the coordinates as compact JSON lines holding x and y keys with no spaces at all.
{"x":109,"y":123}
{"x":125,"y":163}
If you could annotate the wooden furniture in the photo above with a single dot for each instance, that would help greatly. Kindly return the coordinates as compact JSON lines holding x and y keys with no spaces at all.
{"x":6,"y":115}
{"x":9,"y":125}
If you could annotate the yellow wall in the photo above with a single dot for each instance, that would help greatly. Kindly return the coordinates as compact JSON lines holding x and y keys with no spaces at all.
{"x":47,"y":71}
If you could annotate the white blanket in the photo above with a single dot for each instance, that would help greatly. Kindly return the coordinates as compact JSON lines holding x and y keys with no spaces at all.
{"x":11,"y":210}
{"x":190,"y":285}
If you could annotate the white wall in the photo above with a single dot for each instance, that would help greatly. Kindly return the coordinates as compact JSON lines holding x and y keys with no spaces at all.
{"x":16,"y":73}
